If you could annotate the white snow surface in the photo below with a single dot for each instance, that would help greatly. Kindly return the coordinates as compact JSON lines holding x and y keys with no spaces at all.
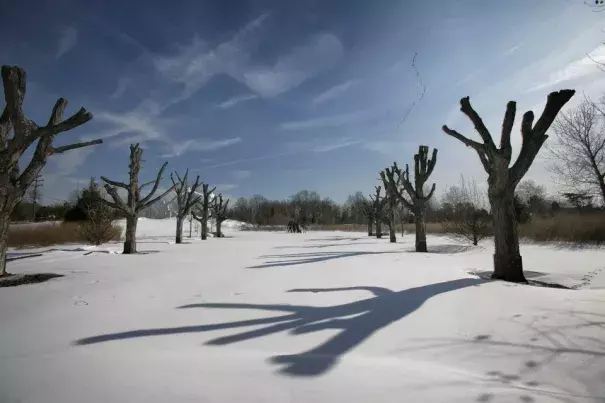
{"x":316,"y":317}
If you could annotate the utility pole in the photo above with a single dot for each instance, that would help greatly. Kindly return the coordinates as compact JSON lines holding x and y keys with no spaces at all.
{"x":35,"y":193}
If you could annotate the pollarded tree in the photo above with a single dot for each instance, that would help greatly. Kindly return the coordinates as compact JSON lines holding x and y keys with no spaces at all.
{"x":13,"y":182}
{"x":186,"y":198}
{"x":219,"y":212}
{"x":400,"y":183}
{"x":378,"y":210}
{"x":392,"y":202}
{"x":200,"y":211}
{"x":134,"y":204}
{"x":503,"y":179}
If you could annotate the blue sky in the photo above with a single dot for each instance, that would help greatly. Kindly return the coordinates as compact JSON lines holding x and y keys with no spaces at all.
{"x":271,"y":97}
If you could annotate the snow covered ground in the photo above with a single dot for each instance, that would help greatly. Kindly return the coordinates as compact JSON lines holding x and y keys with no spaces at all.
{"x":315,"y":317}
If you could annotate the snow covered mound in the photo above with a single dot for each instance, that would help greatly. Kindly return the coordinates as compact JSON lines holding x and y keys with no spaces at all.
{"x":166,"y":227}
{"x":316,"y":317}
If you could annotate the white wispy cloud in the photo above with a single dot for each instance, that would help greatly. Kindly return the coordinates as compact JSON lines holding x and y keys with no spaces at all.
{"x":335,"y":144}
{"x":67,"y":40}
{"x":194,"y":65}
{"x":333,"y":92}
{"x":123,"y":84}
{"x":580,"y":68}
{"x":178,"y":148}
{"x":512,"y":49}
{"x":231,"y":102}
{"x":68,"y":162}
{"x":224,"y":187}
{"x":329,"y":121}
{"x":258,"y":158}
{"x":240,"y":174}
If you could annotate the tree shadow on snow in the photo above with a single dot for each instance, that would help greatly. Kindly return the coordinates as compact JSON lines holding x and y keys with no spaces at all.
{"x":337,"y":238}
{"x":372,"y":314}
{"x":324,"y":245}
{"x":292,"y":259}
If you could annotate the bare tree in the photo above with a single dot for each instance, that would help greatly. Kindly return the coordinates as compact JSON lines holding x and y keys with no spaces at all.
{"x":13,"y":182}
{"x":200,"y":211}
{"x":400,"y":183}
{"x":35,"y":195}
{"x":378,"y":210}
{"x":402,"y":213}
{"x":392,"y":202}
{"x":134,"y":204}
{"x":219,"y":211}
{"x":578,"y":156}
{"x":186,"y":198}
{"x":503,"y":179}
{"x":469,"y":219}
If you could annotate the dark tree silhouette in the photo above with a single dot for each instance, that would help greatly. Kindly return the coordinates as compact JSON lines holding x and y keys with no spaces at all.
{"x":399,"y":182}
{"x":503,"y":179}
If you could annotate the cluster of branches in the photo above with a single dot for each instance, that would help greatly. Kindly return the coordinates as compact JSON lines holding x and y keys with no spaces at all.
{"x":17,"y":134}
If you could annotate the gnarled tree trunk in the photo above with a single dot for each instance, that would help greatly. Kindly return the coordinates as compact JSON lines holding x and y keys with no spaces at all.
{"x":378,"y":229}
{"x":420,"y":230}
{"x":392,"y":234}
{"x":508,"y":264}
{"x":370,"y":226}
{"x":130,"y":242}
{"x":179,"y":229}
{"x":219,"y":233}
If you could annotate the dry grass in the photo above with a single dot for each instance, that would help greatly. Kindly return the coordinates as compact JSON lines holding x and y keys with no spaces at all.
{"x":586,"y":228}
{"x":21,"y":236}
{"x":578,"y":228}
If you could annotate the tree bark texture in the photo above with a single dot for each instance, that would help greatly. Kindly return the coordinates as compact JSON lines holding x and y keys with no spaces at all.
{"x":370,"y":226}
{"x":219,"y":233}
{"x":179,"y":229}
{"x":503,"y":178}
{"x":420,"y":231}
{"x":392,"y":234}
{"x":130,"y":241}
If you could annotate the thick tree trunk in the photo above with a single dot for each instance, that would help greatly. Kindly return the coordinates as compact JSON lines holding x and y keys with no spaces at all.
{"x":4,"y":223}
{"x":420,"y":231}
{"x":205,"y":224}
{"x":370,"y":227}
{"x":378,"y":229}
{"x":508,"y":264}
{"x":179,"y":229}
{"x":392,"y":235}
{"x":130,"y":243}
{"x":219,"y":234}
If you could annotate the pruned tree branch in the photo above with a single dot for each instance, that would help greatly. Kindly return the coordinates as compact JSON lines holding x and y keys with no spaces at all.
{"x":158,"y":179}
{"x":62,"y":149}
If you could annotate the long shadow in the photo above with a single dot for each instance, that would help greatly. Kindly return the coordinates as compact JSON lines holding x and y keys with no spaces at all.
{"x":373,"y":313}
{"x":311,"y":257}
{"x":325,"y":245}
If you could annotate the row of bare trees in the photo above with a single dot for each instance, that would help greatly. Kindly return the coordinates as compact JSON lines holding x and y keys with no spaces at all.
{"x":503,"y":177}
